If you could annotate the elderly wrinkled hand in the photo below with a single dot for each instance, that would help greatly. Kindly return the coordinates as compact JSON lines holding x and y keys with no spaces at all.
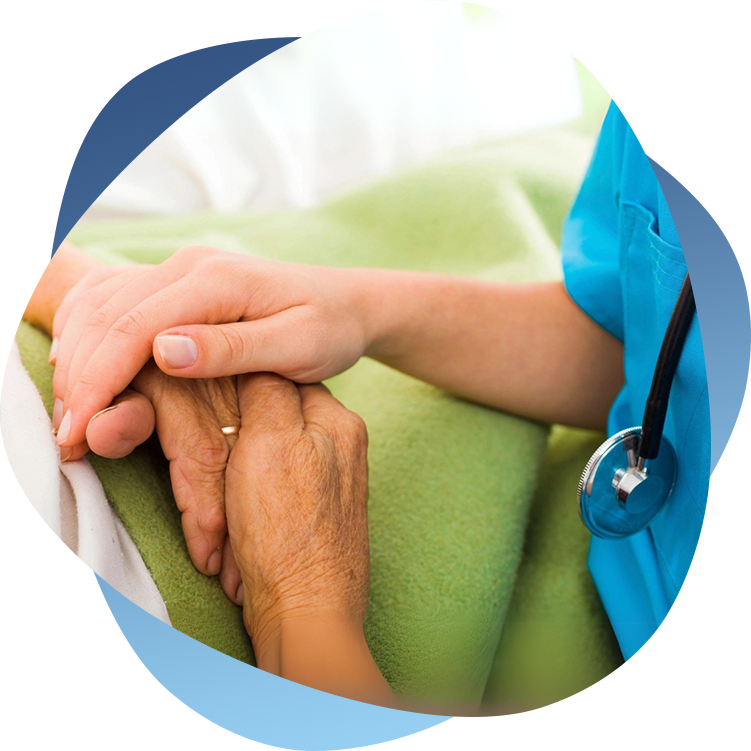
{"x":296,"y":499}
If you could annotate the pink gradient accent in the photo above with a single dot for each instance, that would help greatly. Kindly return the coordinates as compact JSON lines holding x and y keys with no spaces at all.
{"x":682,"y":669}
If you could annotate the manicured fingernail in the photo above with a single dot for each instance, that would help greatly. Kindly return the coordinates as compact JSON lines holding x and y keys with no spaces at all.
{"x":65,"y":453}
{"x":53,"y":350}
{"x":240,"y":594}
{"x":64,"y":430}
{"x":215,"y":563}
{"x":57,"y":414}
{"x":177,"y":351}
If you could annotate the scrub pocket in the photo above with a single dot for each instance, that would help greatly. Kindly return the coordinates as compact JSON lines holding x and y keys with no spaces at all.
{"x":652,"y":274}
{"x":643,"y":253}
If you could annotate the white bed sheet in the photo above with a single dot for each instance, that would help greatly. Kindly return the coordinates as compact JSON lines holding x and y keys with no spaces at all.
{"x":56,"y":528}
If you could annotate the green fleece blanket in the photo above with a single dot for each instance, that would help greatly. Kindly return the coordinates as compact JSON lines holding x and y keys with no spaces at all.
{"x":479,"y":581}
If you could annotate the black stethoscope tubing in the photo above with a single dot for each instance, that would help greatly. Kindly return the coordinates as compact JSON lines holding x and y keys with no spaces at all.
{"x":630,"y":476}
{"x":656,"y":407}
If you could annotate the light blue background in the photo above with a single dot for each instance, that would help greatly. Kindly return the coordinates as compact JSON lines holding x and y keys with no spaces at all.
{"x":156,"y":688}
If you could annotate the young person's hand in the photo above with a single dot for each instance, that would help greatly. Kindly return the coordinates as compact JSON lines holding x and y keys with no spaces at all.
{"x":296,"y":498}
{"x":202,"y":313}
{"x":524,"y":348}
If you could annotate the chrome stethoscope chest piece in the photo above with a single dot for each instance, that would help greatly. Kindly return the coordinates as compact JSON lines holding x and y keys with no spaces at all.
{"x":620,"y":493}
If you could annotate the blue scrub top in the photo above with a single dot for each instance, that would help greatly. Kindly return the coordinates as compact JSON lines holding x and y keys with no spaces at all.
{"x":623,"y":265}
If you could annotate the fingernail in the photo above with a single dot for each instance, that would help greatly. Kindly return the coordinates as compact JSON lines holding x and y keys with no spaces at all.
{"x":53,"y":350}
{"x":57,"y":414}
{"x":240,"y":594}
{"x":102,"y":411}
{"x":65,"y":453}
{"x":177,"y":351}
{"x":215,"y":563}
{"x":64,"y":430}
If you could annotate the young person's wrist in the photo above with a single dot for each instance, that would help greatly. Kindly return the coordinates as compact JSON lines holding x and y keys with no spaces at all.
{"x":63,"y":272}
{"x":366,"y":290}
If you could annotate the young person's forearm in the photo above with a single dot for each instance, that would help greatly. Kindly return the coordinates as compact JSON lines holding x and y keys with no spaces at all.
{"x":524,"y":348}
{"x":326,"y":653}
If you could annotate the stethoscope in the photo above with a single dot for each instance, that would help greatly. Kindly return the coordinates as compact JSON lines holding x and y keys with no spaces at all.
{"x":630,"y":477}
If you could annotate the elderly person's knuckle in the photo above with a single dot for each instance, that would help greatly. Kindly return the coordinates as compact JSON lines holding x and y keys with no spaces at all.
{"x":222,"y":393}
{"x":319,"y":434}
{"x":212,"y":519}
{"x":266,"y":446}
{"x":266,"y":381}
{"x":209,"y":455}
{"x":151,"y":377}
{"x":352,"y":429}
{"x":357,"y":427}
